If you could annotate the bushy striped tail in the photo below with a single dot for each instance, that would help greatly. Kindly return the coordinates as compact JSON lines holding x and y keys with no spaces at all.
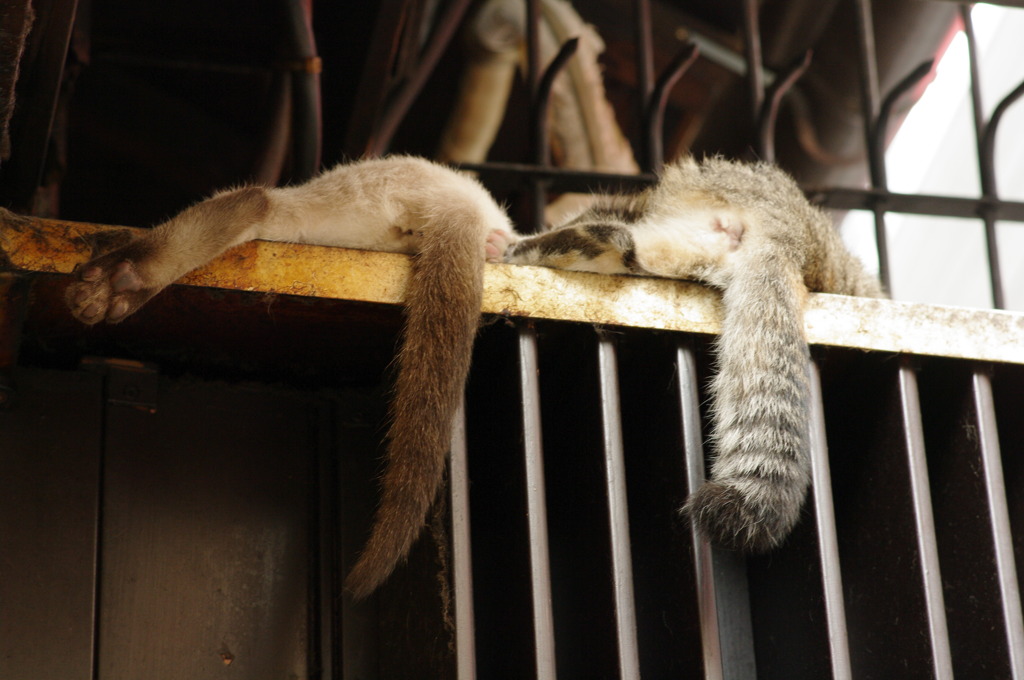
{"x":760,"y":395}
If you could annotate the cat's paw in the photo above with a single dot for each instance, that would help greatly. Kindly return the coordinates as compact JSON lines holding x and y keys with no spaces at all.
{"x":732,"y":514}
{"x":108,"y":288}
{"x":497,"y":242}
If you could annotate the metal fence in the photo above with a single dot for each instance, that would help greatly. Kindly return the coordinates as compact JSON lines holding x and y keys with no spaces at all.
{"x":904,"y":563}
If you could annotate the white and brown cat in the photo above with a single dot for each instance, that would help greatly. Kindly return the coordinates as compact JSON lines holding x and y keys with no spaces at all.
{"x":407,"y":205}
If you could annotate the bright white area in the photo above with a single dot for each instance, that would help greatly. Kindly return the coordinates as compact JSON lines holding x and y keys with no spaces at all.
{"x":944,"y":260}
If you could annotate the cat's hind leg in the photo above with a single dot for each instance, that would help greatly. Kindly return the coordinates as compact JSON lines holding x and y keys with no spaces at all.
{"x":112,"y":286}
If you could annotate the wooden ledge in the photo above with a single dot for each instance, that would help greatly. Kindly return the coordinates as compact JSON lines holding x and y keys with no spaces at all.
{"x":49,"y":246}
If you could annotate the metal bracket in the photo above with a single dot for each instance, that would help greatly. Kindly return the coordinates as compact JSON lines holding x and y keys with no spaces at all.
{"x":128,"y":383}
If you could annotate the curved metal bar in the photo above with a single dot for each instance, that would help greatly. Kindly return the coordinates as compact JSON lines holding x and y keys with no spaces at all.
{"x":987,"y":168}
{"x":543,"y":95}
{"x":655,"y":113}
{"x":755,"y":72}
{"x":399,"y":105}
{"x":769,"y":112}
{"x":869,"y":73}
{"x":881,"y":124}
{"x":988,"y":137}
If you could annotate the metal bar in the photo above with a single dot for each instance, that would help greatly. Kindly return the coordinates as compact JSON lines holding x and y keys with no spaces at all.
{"x":828,"y":541}
{"x":986,"y":159}
{"x":307,"y":124}
{"x":693,"y":451}
{"x":567,"y":179}
{"x":537,"y":188}
{"x":376,"y":76}
{"x":722,"y":594}
{"x":988,"y":140}
{"x":986,"y":134}
{"x":917,"y":204}
{"x":1002,"y":3}
{"x":561,"y":179}
{"x":868,"y":82}
{"x":881,"y":124}
{"x":536,"y":506}
{"x":770,"y":106}
{"x":924,"y":523}
{"x":618,"y":510}
{"x":1002,"y":536}
{"x":462,"y":561}
{"x":869,"y":111}
{"x":543,"y":95}
{"x":325,"y":571}
{"x":645,"y":84}
{"x":533,"y":66}
{"x":655,"y":114}
{"x":986,"y":170}
{"x":752,"y":52}
{"x":877,"y":130}
{"x":398,"y":105}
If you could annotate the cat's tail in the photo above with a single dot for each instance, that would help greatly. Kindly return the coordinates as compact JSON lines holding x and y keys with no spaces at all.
{"x":760,"y":411}
{"x":442,"y":315}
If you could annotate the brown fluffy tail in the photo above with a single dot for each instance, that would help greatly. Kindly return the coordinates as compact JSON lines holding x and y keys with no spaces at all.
{"x":442,"y":315}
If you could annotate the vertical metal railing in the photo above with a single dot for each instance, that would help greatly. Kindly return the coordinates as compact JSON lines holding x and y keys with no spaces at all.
{"x":462,"y":562}
{"x":869,"y":110}
{"x":727,"y":638}
{"x":693,"y":454}
{"x":924,"y":523}
{"x":986,"y":134}
{"x":618,"y":511}
{"x":536,"y":506}
{"x":999,"y":517}
{"x":828,"y":541}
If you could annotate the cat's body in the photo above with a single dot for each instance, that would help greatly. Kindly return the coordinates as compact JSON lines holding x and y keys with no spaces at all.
{"x":398,"y":204}
{"x":747,"y":230}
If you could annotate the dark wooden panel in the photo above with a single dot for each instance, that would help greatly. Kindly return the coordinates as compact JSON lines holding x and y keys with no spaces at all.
{"x":206,"y":550}
{"x":49,"y":481}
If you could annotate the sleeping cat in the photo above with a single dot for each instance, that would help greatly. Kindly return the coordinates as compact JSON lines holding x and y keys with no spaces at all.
{"x":747,"y":230}
{"x":399,"y":204}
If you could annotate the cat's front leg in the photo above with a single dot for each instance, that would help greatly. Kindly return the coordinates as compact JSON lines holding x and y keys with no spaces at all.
{"x":601,"y":248}
{"x":112,"y":286}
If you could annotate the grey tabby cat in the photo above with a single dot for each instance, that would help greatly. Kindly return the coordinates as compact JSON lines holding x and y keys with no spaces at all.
{"x":748,"y":230}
